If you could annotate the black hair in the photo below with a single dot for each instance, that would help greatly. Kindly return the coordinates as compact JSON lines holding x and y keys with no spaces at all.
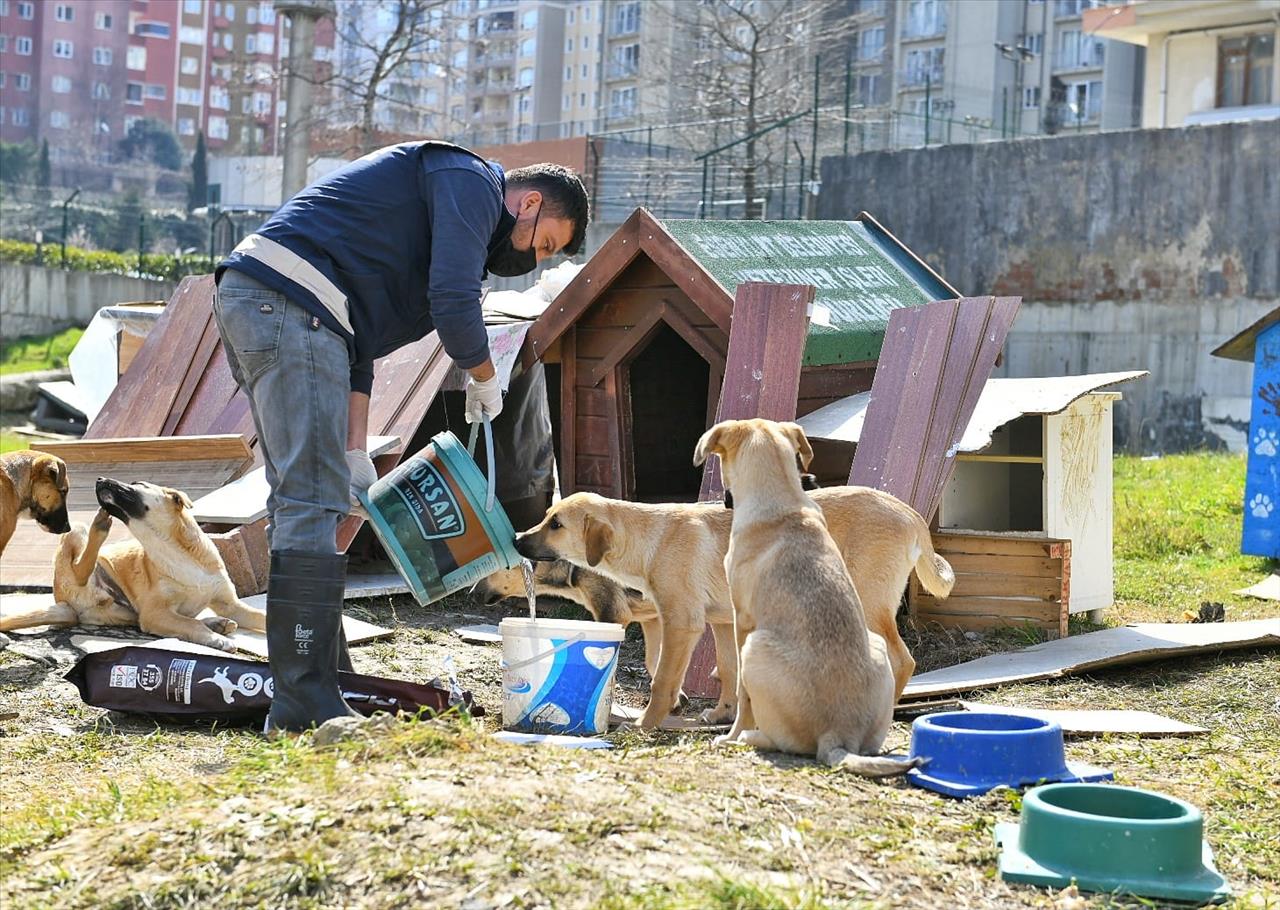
{"x":563,"y":194}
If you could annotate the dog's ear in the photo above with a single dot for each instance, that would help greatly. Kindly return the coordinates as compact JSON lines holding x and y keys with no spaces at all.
{"x":804,"y":451}
{"x":181,"y":499}
{"x":713,"y":442}
{"x":57,"y":471}
{"x":598,"y":537}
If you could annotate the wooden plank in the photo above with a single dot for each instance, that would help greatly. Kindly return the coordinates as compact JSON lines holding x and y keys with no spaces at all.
{"x":632,"y":339}
{"x":840,"y":381}
{"x":761,"y":379}
{"x":568,"y":463}
{"x":981,"y":564}
{"x":688,"y":274}
{"x":1007,"y":586}
{"x":983,"y":623}
{"x":995,"y":542}
{"x":1001,"y":459}
{"x":217,"y":404}
{"x":201,"y":353}
{"x":141,"y":400}
{"x":595,"y":473}
{"x":127,"y":347}
{"x":28,"y":557}
{"x":592,"y":402}
{"x":935,"y":361}
{"x":141,"y":449}
{"x":195,"y":478}
{"x":620,"y":448}
{"x":762,"y":373}
{"x":702,"y":341}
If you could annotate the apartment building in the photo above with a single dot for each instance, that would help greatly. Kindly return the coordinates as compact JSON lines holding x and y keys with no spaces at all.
{"x":1206,"y":60}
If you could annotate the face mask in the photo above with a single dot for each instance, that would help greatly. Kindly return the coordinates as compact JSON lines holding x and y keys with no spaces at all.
{"x":507,"y":262}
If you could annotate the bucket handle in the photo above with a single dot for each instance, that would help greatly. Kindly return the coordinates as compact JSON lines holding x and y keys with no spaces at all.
{"x":521,"y":664}
{"x":488,"y":450}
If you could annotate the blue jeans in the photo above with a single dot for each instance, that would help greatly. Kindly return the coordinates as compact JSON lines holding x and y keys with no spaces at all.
{"x":295,"y":372}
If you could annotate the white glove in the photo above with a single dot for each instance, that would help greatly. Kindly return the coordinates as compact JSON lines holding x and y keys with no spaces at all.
{"x":484,"y":396}
{"x":363,"y":476}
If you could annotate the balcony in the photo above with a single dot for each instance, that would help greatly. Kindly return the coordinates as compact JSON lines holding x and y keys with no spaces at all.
{"x":622,"y":69}
{"x":1065,"y":61}
{"x":1069,"y":9}
{"x":921,"y":76}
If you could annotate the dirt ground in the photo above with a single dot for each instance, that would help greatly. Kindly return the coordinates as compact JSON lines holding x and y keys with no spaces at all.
{"x":104,"y":810}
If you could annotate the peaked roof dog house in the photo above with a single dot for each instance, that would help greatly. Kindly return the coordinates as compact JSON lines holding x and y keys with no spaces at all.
{"x":636,"y":343}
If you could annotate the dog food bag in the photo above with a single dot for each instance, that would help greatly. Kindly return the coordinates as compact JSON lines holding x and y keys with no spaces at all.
{"x":186,"y":686}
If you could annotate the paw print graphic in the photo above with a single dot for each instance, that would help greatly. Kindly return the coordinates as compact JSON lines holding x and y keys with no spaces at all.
{"x":1266,"y":442}
{"x":1261,"y":506}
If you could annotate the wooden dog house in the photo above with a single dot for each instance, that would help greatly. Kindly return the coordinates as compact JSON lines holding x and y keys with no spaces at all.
{"x":636,"y":344}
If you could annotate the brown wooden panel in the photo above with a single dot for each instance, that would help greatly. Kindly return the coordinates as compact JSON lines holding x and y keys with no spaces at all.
{"x":616,"y":445}
{"x":631,"y":342}
{"x":216,"y":402}
{"x":141,"y":400}
{"x":617,"y":309}
{"x":595,"y":436}
{"x":568,"y":413}
{"x":948,"y":542}
{"x":148,"y":448}
{"x":642,"y":274}
{"x":196,"y":366}
{"x":977,"y":564}
{"x":596,"y":473}
{"x":707,"y":342}
{"x":1049,"y":623}
{"x":595,"y":342}
{"x":833,"y":382}
{"x":685,"y":271}
{"x":592,"y":402}
{"x":934,"y":362}
{"x":1007,"y":586}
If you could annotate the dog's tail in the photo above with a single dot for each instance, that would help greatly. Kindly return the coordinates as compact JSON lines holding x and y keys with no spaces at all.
{"x":934,"y":572}
{"x":57,"y":614}
{"x":833,"y":754}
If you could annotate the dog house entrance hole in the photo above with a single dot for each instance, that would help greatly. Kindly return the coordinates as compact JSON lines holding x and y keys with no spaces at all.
{"x":668,"y":402}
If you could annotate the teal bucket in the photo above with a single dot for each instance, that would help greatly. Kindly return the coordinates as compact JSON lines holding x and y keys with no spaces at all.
{"x":438,"y":520}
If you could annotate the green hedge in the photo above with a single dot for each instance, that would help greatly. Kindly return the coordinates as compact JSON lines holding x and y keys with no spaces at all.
{"x":154,"y":265}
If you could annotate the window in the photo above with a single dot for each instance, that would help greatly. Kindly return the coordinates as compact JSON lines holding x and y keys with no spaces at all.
{"x":23,"y":82}
{"x":101,"y":91}
{"x":585,"y":70}
{"x":586,"y":14}
{"x":568,"y":45}
{"x":586,"y":42}
{"x":22,"y":46}
{"x":152,"y":29}
{"x":924,"y":66}
{"x":219,"y":98}
{"x":568,"y":74}
{"x":102,"y":56}
{"x":261,"y":103}
{"x":869,"y":89}
{"x":190,"y":34}
{"x":525,"y":76}
{"x":190,"y":66}
{"x":529,"y":20}
{"x":1084,"y":99}
{"x":626,"y":19}
{"x":924,"y":19}
{"x":133,"y":93}
{"x":582,"y":99}
{"x":4,"y":11}
{"x":186,"y":126}
{"x":625,"y":62}
{"x":266,"y":43}
{"x":1244,"y":70}
{"x":250,"y":44}
{"x":525,"y":104}
{"x":870,"y":43}
{"x":1031,"y":97}
{"x":229,"y":10}
{"x":251,"y":15}
{"x":1075,"y":7}
{"x":220,"y":71}
{"x":61,"y":85}
{"x":566,"y":103}
{"x":155,"y":91}
{"x":266,"y":13}
{"x":20,"y":117}
{"x":64,"y":12}
{"x":1077,"y":50}
{"x":218,"y":128}
{"x":63,"y":49}
{"x":527,"y":47}
{"x":2,"y":81}
{"x":1034,"y":43}
{"x":571,"y":17}
{"x":246,"y":104}
{"x":622,"y":102}
{"x":193,"y":7}
{"x":4,"y":43}
{"x":102,"y":22}
{"x":136,"y":57}
{"x":26,"y":10}
{"x":188,"y":95}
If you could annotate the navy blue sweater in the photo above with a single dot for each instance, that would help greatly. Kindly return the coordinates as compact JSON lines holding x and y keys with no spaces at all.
{"x":402,"y":234}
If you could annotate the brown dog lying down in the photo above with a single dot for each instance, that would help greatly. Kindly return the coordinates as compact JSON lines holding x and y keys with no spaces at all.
{"x":33,"y":484}
{"x":673,"y":554}
{"x":811,"y":679}
{"x":158,"y":581}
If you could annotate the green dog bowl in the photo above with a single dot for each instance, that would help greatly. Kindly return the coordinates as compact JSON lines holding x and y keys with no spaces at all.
{"x":1111,"y":839}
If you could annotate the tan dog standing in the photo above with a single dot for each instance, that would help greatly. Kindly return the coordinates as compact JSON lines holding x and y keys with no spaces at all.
{"x":33,"y":484}
{"x":673,"y":555}
{"x":811,"y":679}
{"x":158,"y":581}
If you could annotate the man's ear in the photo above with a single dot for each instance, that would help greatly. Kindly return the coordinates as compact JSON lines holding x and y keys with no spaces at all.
{"x":804,"y":451}
{"x":711,"y":443}
{"x":598,"y":537}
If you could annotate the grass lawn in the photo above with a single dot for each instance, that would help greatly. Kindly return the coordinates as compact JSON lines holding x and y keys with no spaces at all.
{"x":111,"y":811}
{"x":38,"y":352}
{"x":11,"y":442}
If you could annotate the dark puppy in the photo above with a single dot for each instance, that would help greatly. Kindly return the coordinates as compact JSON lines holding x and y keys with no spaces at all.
{"x":34,"y":484}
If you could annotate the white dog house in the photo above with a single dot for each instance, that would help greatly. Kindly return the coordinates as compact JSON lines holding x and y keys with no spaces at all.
{"x":1029,"y":500}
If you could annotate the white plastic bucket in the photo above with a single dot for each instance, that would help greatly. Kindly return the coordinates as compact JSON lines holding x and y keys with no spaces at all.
{"x":557,"y":674}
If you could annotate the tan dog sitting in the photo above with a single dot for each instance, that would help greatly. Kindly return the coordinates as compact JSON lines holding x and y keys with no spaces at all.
{"x":159,"y":581}
{"x":811,"y":679}
{"x":33,"y":484}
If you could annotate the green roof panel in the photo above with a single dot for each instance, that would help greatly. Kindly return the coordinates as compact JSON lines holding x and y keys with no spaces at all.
{"x":860,"y":272}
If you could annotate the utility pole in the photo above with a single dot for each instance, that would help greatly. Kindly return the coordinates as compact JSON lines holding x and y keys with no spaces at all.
{"x":848,"y":92}
{"x":928,"y":90}
{"x":813,"y":145}
{"x":303,"y":15}
{"x":1004,"y":111}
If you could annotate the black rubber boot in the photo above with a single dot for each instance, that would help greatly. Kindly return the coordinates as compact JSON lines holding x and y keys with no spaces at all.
{"x":304,"y":634}
{"x":344,"y":653}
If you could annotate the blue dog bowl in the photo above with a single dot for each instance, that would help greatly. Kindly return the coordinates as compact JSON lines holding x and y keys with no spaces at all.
{"x":968,"y":753}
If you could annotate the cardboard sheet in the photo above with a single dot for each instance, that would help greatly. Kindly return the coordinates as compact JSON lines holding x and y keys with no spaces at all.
{"x":1267,"y":589}
{"x":357,"y":631}
{"x":1092,"y":651}
{"x":1096,"y":722}
{"x":482,"y":634}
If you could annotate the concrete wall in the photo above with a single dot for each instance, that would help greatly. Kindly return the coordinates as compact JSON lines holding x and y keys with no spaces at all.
{"x":1131,"y":250}
{"x":35,"y":300}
